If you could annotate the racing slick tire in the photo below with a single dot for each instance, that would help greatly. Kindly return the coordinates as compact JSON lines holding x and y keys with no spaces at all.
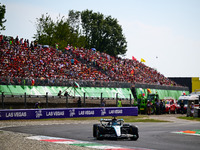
{"x":134,"y":131}
{"x":95,"y":126}
{"x":98,"y":134}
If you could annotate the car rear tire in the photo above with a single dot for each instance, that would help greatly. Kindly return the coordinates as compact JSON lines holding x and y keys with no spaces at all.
{"x":136,"y":136}
{"x":134,"y":131}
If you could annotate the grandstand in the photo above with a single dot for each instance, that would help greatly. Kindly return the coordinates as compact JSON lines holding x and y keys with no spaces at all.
{"x":32,"y":64}
{"x":19,"y":60}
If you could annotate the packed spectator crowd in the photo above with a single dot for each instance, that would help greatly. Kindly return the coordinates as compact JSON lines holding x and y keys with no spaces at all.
{"x":21,"y":59}
{"x":124,"y":70}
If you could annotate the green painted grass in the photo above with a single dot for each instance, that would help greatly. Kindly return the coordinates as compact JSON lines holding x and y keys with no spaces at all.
{"x":140,"y":118}
{"x":189,"y":118}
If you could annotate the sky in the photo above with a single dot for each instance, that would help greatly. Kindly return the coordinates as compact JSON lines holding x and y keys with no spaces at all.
{"x":165,"y":33}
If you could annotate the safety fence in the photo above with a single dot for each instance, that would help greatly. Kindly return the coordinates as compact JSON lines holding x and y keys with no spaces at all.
{"x":49,"y":94}
{"x":98,"y":94}
{"x":62,"y":82}
{"x":47,"y":101}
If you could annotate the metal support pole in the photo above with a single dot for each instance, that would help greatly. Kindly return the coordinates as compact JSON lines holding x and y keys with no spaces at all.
{"x":25,"y":100}
{"x":101,"y":99}
{"x":116,"y":99}
{"x":46,"y":99}
{"x":199,"y":102}
{"x":130,"y":100}
{"x":2,"y":98}
{"x":84,"y":99}
{"x":67,"y":100}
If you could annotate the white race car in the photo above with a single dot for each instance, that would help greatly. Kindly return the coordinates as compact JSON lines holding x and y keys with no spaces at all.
{"x":114,"y":128}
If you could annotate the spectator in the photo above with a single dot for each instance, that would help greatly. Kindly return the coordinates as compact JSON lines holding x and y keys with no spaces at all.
{"x":119,"y":103}
{"x":33,"y":82}
{"x":161,"y":107}
{"x":56,"y":46}
{"x":18,"y":60}
{"x":38,"y":105}
{"x":103,"y":104}
{"x":192,"y":109}
{"x":148,"y":107}
{"x":182,"y":107}
{"x":157,"y":107}
{"x":59,"y":93}
{"x":66,"y":94}
{"x":79,"y":102}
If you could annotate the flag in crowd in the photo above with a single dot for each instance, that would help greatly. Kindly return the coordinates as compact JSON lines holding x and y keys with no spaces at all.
{"x":142,"y":60}
{"x":76,"y":85}
{"x":132,"y":72}
{"x":133,"y":58}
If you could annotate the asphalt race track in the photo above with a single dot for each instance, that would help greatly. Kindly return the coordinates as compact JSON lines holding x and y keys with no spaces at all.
{"x":158,"y":136}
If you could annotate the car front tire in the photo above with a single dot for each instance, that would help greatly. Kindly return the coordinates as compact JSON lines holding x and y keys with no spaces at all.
{"x":98,"y":135}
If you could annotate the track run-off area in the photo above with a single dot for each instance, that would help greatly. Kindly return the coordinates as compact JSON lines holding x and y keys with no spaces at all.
{"x":175,"y":134}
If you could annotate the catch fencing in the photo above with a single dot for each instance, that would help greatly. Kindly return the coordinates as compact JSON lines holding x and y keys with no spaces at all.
{"x":62,"y":82}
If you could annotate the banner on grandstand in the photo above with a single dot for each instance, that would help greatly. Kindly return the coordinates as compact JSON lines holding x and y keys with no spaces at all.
{"x":67,"y":113}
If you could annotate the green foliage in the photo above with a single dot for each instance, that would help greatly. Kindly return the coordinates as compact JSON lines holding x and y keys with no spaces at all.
{"x":127,"y":119}
{"x":2,"y":15}
{"x":45,"y":30}
{"x":103,"y":33}
{"x":83,"y":29}
{"x":50,"y":32}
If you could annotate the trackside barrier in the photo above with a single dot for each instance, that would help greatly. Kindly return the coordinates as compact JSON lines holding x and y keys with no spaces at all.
{"x":67,"y":113}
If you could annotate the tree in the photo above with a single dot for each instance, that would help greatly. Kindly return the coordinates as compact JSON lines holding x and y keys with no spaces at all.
{"x":50,"y":32}
{"x":103,"y":33}
{"x":45,"y":29}
{"x":2,"y":15}
{"x":83,"y":29}
{"x":74,"y":22}
{"x":62,"y":32}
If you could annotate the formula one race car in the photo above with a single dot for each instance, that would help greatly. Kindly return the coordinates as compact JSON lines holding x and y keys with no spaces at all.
{"x":114,"y":128}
